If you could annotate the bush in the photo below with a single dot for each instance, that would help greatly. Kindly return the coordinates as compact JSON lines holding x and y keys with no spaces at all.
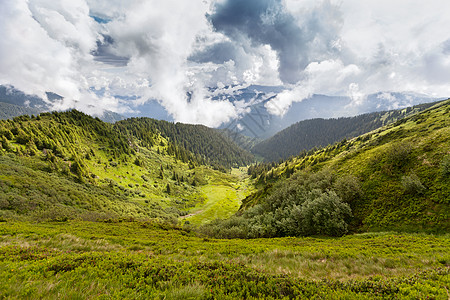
{"x":412,"y":185}
{"x":348,"y":188}
{"x":398,"y":155}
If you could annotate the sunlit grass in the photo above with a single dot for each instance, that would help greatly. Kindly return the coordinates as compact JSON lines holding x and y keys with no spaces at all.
{"x":223,"y":200}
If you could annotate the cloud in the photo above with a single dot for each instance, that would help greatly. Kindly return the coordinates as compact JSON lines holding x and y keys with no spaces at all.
{"x":117,"y":55}
{"x":382,"y":46}
{"x":46,"y":46}
{"x":267,"y":22}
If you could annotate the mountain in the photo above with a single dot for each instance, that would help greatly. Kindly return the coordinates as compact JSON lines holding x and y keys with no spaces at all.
{"x":394,"y":178}
{"x":8,"y":111}
{"x":66,"y":165}
{"x":14,"y":103}
{"x":8,"y":94}
{"x":259,"y":123}
{"x":208,"y":145}
{"x":89,"y":208}
{"x":305,"y":135}
{"x":256,"y":122}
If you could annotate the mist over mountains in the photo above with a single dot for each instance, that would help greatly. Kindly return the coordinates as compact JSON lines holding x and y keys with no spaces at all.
{"x":255,"y":120}
{"x":258,"y":121}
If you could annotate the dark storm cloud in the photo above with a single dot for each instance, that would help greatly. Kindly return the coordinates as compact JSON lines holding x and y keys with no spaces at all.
{"x":217,"y":53}
{"x":266,"y":22}
{"x":104,"y":53}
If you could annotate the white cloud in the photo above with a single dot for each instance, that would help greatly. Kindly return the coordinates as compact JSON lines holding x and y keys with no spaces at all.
{"x":339,"y":47}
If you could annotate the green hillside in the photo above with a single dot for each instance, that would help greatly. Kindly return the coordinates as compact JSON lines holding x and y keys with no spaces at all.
{"x":60,"y":166}
{"x":209,"y":146}
{"x":308,"y":134}
{"x":394,"y":178}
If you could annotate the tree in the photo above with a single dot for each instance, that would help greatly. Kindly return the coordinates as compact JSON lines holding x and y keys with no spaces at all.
{"x":161,"y":172}
{"x":5,"y":144}
{"x":445,"y":166}
{"x":324,"y":213}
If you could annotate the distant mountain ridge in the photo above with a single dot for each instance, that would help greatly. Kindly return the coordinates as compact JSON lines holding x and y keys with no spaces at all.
{"x":14,"y":103}
{"x":259,"y":123}
{"x":8,"y":111}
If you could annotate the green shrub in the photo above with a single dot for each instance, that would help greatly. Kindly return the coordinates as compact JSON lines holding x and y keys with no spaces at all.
{"x":324,"y":214}
{"x":301,"y":206}
{"x":348,"y":188}
{"x":398,"y":154}
{"x":412,"y":185}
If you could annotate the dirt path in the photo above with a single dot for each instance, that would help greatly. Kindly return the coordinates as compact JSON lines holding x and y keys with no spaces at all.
{"x":190,"y":215}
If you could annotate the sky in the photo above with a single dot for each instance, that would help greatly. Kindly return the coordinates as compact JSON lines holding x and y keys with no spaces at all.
{"x":117,"y":55}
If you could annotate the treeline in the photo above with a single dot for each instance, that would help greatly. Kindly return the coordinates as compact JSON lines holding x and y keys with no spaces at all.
{"x":61,"y":134}
{"x":61,"y":137}
{"x":190,"y":142}
{"x":308,"y":134}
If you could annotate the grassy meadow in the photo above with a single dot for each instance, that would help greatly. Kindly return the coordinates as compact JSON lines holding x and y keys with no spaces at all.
{"x":143,"y":260}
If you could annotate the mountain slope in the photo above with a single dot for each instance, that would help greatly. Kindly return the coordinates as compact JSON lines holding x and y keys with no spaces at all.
{"x":260,"y":123}
{"x":394,"y":178}
{"x":208,"y":145}
{"x":8,"y":110}
{"x":308,"y":134}
{"x":69,"y":165}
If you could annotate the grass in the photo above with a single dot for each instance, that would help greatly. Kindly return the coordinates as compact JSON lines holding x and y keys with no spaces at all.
{"x":223,"y":198}
{"x":89,"y":260}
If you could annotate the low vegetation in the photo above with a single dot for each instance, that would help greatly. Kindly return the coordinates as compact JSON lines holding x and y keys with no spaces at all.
{"x":304,"y":205}
{"x":149,"y":260}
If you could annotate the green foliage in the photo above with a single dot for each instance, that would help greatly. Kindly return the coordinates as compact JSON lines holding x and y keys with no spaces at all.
{"x":301,"y":206}
{"x":323,"y":214}
{"x":348,"y":188}
{"x":392,"y":178}
{"x":83,"y":168}
{"x":445,"y":166}
{"x":196,"y":143}
{"x":6,"y":144}
{"x":412,"y":185}
{"x":397,"y":157}
{"x":28,"y":189}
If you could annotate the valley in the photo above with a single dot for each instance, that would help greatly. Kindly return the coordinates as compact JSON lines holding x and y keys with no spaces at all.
{"x":152,"y":209}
